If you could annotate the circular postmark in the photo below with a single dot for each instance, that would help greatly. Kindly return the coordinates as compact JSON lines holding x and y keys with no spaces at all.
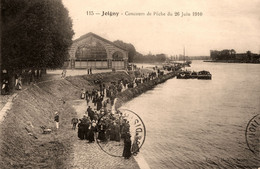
{"x":253,"y":134}
{"x":116,"y":128}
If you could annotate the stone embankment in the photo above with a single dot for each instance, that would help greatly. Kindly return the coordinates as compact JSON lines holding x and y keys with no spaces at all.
{"x":141,"y":88}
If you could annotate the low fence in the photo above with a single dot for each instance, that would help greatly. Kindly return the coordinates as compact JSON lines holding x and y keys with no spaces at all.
{"x":94,"y":64}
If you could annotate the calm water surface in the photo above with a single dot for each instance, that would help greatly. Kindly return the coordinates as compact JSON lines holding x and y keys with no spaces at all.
{"x":201,"y":123}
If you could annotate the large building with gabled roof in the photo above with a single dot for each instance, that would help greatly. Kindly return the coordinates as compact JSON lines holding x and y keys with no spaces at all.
{"x":93,"y":51}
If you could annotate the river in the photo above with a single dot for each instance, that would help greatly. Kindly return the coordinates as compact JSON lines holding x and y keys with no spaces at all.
{"x":194,"y":123}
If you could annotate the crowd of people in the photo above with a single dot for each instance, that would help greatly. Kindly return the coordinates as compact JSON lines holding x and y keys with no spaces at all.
{"x":100,"y":123}
{"x":5,"y":88}
{"x":26,"y":76}
{"x":104,"y":127}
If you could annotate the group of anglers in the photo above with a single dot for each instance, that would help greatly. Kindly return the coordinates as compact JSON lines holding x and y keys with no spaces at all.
{"x":104,"y":127}
{"x":114,"y":88}
{"x":101,"y":124}
{"x":97,"y":96}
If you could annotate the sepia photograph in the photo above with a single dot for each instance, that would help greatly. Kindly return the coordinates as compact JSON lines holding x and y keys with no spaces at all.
{"x":130,"y":84}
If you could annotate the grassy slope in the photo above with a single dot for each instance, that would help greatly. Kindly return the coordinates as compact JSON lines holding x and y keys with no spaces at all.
{"x":36,"y":106}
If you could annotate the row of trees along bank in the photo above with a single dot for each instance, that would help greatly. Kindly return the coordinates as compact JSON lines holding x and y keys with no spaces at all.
{"x":36,"y":35}
{"x":231,"y":56}
{"x":134,"y":56}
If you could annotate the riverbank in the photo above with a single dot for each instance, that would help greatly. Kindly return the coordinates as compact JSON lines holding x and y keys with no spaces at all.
{"x":22,"y":143}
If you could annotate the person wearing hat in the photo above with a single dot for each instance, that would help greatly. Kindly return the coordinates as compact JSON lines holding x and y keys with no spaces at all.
{"x":83,"y":93}
{"x":101,"y":130}
{"x":80,"y":130}
{"x":92,"y":130}
{"x":56,"y":119}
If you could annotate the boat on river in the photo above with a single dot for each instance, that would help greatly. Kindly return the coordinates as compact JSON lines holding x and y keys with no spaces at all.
{"x":194,"y":75}
{"x":183,"y":75}
{"x":168,"y":66}
{"x":205,"y":75}
{"x":171,"y":66}
{"x":187,"y":63}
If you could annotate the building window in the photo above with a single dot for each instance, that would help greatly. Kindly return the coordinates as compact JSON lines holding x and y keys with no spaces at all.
{"x":118,"y":56}
{"x":91,"y":51}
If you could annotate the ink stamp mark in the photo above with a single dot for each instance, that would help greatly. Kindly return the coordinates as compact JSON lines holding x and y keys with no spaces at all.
{"x":253,"y":135}
{"x":124,"y":122}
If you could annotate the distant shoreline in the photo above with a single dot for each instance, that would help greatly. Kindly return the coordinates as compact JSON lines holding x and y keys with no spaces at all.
{"x":229,"y":61}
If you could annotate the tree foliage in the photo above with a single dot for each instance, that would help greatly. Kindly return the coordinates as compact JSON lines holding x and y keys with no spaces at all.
{"x":223,"y":54}
{"x":150,"y":58}
{"x":134,"y":56}
{"x":232,"y":56}
{"x":127,"y":46}
{"x":35,"y":34}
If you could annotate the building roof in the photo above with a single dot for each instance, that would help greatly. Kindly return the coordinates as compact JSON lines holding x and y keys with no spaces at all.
{"x":98,"y":37}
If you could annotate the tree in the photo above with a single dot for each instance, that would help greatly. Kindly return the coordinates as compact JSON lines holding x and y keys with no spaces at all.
{"x":214,"y":54}
{"x":225,"y":54}
{"x":160,"y":57}
{"x":36,"y":34}
{"x":150,"y":58}
{"x":249,"y":56}
{"x":127,"y":46}
{"x":233,"y":54}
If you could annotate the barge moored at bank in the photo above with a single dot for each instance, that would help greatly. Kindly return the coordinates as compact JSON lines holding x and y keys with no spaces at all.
{"x":184,"y":75}
{"x":204,"y":75}
{"x":194,"y":75}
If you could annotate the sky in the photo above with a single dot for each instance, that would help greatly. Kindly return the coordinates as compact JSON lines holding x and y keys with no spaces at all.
{"x":224,"y":24}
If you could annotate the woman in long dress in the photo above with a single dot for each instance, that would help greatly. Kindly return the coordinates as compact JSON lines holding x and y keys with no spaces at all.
{"x":127,"y":146}
{"x":87,"y":97}
{"x":117,"y":132}
{"x":101,"y":131}
{"x":82,"y":95}
{"x":80,"y":130}
{"x":113,"y":132}
{"x":91,"y":134}
{"x":92,"y":130}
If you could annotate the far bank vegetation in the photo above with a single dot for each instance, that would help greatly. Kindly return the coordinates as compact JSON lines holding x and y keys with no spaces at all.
{"x":227,"y":55}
